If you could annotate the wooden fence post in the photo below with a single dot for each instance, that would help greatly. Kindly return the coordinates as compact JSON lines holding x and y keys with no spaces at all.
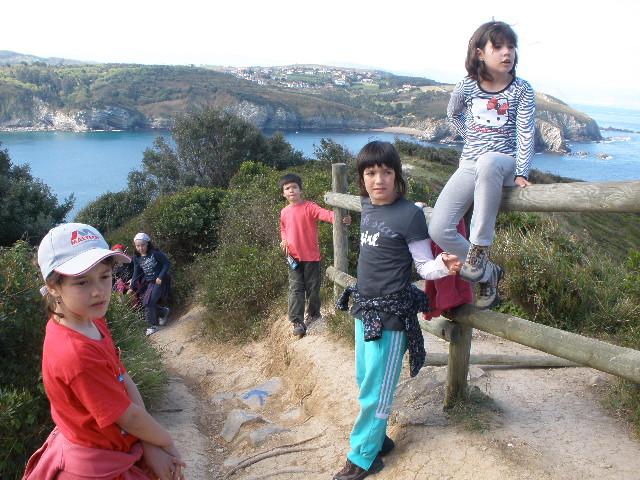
{"x":458,"y":368}
{"x":340,"y":234}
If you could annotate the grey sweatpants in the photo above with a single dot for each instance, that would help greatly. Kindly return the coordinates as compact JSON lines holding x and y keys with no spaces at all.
{"x":479,"y":182}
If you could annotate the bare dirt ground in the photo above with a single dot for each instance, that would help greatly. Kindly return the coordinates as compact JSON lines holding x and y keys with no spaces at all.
{"x":549,"y":423}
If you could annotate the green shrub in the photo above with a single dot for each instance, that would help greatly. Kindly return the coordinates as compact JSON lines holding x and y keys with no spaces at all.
{"x":112,"y":210}
{"x":445,"y":156}
{"x":21,"y":317}
{"x":561,"y":281}
{"x":142,"y":361}
{"x":24,"y":410}
{"x":210,"y":145}
{"x":28,"y":208}
{"x":248,"y":270}
{"x":24,"y":423}
{"x":183,"y":225}
{"x":631,"y":283}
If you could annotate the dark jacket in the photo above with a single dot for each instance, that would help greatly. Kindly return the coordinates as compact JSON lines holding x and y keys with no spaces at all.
{"x":405,"y":304}
{"x":161,"y":271}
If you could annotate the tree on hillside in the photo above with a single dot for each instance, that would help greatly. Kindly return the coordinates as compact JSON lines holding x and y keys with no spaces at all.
{"x":329,"y":151}
{"x":210,"y":146}
{"x":28,"y":208}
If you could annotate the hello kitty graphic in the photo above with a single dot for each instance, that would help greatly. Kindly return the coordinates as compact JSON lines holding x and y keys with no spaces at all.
{"x":491,"y":112}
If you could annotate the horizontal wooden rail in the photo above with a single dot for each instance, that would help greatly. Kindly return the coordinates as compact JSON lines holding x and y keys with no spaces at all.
{"x":611,"y":197}
{"x":527,"y":361}
{"x":620,"y":361}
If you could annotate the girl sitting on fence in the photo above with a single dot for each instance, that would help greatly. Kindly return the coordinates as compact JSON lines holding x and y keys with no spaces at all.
{"x":493,"y":111}
{"x":393,"y":234}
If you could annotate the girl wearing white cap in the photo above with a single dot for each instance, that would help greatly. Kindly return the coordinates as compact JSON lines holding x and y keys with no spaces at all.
{"x":151,"y":281}
{"x":102,"y":427}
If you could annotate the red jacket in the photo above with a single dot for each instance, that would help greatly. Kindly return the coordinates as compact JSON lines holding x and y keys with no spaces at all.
{"x":60,"y":459}
{"x":450,"y":291}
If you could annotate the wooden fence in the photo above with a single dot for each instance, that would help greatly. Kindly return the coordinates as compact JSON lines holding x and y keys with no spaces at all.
{"x":457,"y":326}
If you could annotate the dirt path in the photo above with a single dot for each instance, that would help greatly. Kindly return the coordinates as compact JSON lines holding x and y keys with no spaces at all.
{"x":549,"y":423}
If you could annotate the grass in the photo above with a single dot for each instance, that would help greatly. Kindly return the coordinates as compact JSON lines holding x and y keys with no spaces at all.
{"x":474,"y":412}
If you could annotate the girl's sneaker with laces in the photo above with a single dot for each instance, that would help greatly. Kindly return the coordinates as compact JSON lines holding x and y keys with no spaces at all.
{"x":477,"y":260}
{"x":488,"y":297}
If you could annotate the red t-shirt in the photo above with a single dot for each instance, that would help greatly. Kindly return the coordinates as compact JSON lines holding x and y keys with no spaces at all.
{"x":84,"y":382}
{"x":299,"y":227}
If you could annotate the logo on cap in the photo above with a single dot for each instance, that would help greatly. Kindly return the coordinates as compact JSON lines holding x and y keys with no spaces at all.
{"x":79,"y":236}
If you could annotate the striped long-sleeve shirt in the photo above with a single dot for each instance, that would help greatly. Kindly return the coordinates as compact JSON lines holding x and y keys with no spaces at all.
{"x":495,"y":121}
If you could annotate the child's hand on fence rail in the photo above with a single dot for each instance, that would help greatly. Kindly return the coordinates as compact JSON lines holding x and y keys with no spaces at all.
{"x":452,"y":263}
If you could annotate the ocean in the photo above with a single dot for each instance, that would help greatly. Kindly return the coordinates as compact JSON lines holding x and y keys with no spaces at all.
{"x":89,"y":164}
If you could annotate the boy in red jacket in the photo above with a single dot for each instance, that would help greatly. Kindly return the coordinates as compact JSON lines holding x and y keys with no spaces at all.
{"x":299,"y":233}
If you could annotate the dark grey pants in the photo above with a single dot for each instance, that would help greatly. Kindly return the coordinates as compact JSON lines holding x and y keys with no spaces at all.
{"x":152,"y":310}
{"x":304,"y":284}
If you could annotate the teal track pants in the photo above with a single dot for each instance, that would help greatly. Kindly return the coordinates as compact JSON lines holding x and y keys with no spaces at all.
{"x":378,"y":366}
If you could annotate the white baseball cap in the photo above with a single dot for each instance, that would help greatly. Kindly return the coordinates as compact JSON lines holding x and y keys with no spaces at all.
{"x":142,"y":236}
{"x":72,"y":249}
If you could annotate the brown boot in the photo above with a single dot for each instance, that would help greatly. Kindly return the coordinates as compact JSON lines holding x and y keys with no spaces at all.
{"x":476,"y":264}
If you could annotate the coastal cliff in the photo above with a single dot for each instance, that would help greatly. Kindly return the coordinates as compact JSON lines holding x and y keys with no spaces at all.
{"x":117,"y":118}
{"x":271,"y":117}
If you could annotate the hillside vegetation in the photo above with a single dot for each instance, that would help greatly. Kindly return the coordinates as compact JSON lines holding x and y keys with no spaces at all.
{"x":154,"y":91}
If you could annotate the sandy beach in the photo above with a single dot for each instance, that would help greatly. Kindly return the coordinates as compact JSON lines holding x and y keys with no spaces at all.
{"x":403,"y":130}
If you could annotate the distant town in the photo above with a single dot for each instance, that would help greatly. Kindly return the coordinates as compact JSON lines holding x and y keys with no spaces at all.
{"x":310,"y":77}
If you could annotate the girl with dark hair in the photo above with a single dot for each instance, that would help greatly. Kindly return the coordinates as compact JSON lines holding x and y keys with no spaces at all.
{"x":393,"y":234}
{"x":493,"y":111}
{"x":151,"y":281}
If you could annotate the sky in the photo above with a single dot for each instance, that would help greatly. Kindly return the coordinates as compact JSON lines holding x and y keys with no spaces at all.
{"x":580,"y":52}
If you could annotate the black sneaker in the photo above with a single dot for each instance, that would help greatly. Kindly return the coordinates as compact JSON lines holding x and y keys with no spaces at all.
{"x":299,"y":330}
{"x":387,"y":446}
{"x":351,"y":471}
{"x":488,"y":297}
